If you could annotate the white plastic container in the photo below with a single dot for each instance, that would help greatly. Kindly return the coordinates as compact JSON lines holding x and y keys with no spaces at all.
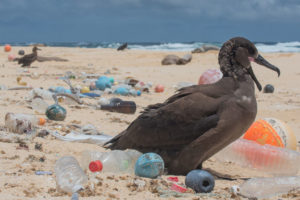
{"x":69,"y":175}
{"x":267,"y":187}
{"x":22,"y":123}
{"x":267,"y":158}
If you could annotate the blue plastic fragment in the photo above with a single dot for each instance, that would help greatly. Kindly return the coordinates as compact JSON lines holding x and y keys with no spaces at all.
{"x":43,"y":173}
{"x":91,"y":94}
{"x":122,"y":91}
{"x":103,"y":82}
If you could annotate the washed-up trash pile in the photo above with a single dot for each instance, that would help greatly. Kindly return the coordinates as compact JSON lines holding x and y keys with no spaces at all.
{"x":73,"y":176}
{"x":267,"y":146}
{"x":94,"y":87}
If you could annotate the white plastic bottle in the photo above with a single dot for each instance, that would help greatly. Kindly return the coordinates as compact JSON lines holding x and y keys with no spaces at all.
{"x":267,"y":187}
{"x":69,"y":175}
{"x":267,"y":158}
{"x":22,"y":123}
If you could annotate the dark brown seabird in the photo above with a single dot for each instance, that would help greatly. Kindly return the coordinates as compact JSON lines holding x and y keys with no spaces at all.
{"x":29,"y":58}
{"x":200,"y":120}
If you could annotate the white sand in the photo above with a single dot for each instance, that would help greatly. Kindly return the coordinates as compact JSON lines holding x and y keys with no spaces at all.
{"x":17,"y":166}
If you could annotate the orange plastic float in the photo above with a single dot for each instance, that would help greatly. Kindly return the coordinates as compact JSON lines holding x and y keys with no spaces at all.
{"x":159,"y":88}
{"x":7,"y":48}
{"x":273,"y":132}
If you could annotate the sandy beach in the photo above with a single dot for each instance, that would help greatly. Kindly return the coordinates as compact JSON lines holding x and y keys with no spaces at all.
{"x":18,"y":164}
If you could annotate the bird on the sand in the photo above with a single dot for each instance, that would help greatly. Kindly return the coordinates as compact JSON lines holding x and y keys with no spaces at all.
{"x":200,"y":120}
{"x":29,"y":58}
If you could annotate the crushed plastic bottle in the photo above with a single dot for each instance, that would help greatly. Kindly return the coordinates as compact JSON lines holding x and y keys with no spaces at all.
{"x":22,"y":123}
{"x":268,"y":187}
{"x":69,"y":175}
{"x":115,"y":161}
{"x":267,"y":158}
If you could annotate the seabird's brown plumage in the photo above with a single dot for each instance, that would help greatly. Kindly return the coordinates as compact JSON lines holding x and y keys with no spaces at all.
{"x":29,"y":58}
{"x":200,"y":120}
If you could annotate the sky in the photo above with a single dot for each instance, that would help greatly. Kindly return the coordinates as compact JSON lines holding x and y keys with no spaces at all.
{"x":148,"y":20}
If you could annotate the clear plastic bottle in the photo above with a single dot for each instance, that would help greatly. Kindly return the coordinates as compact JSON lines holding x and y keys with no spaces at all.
{"x":39,"y":105}
{"x":69,"y":175}
{"x":267,"y":187}
{"x":120,"y":161}
{"x":88,"y":156}
{"x":116,"y":161}
{"x":271,"y":159}
{"x":22,"y":123}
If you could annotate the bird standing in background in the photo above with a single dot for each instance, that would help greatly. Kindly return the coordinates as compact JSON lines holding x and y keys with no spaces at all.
{"x":29,"y":58}
{"x":198,"y":121}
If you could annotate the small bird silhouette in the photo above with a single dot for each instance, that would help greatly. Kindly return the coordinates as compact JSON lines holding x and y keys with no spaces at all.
{"x":198,"y":121}
{"x":29,"y":58}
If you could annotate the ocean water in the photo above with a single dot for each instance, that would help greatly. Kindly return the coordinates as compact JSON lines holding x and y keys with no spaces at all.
{"x":187,"y":46}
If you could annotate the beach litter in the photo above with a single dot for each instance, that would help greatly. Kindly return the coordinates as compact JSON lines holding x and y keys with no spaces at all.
{"x":200,"y":181}
{"x":56,"y":112}
{"x":268,"y":88}
{"x":118,"y":105}
{"x":210,"y":76}
{"x":43,"y":172}
{"x":267,"y":187}
{"x":83,"y":138}
{"x":149,"y":165}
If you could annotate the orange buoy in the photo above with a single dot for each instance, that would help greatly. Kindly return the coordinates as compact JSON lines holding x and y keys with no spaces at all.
{"x":7,"y":48}
{"x":273,"y":132}
{"x":159,"y":88}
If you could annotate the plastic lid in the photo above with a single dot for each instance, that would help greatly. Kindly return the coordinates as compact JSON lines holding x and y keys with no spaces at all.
{"x":95,"y":166}
{"x":42,"y":121}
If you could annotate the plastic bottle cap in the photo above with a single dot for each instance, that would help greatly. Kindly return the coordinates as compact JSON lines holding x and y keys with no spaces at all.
{"x":95,"y":166}
{"x":42,"y":121}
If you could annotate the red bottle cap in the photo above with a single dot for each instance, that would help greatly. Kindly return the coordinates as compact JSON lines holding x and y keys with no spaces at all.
{"x":173,"y":178}
{"x":95,"y":166}
{"x":178,"y":188}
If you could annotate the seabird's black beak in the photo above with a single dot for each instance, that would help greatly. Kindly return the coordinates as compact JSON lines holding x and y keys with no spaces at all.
{"x":261,"y":61}
{"x":250,"y":71}
{"x":38,"y":49}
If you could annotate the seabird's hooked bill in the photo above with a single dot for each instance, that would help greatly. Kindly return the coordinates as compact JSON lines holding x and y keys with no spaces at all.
{"x":29,"y":58}
{"x":198,"y":121}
